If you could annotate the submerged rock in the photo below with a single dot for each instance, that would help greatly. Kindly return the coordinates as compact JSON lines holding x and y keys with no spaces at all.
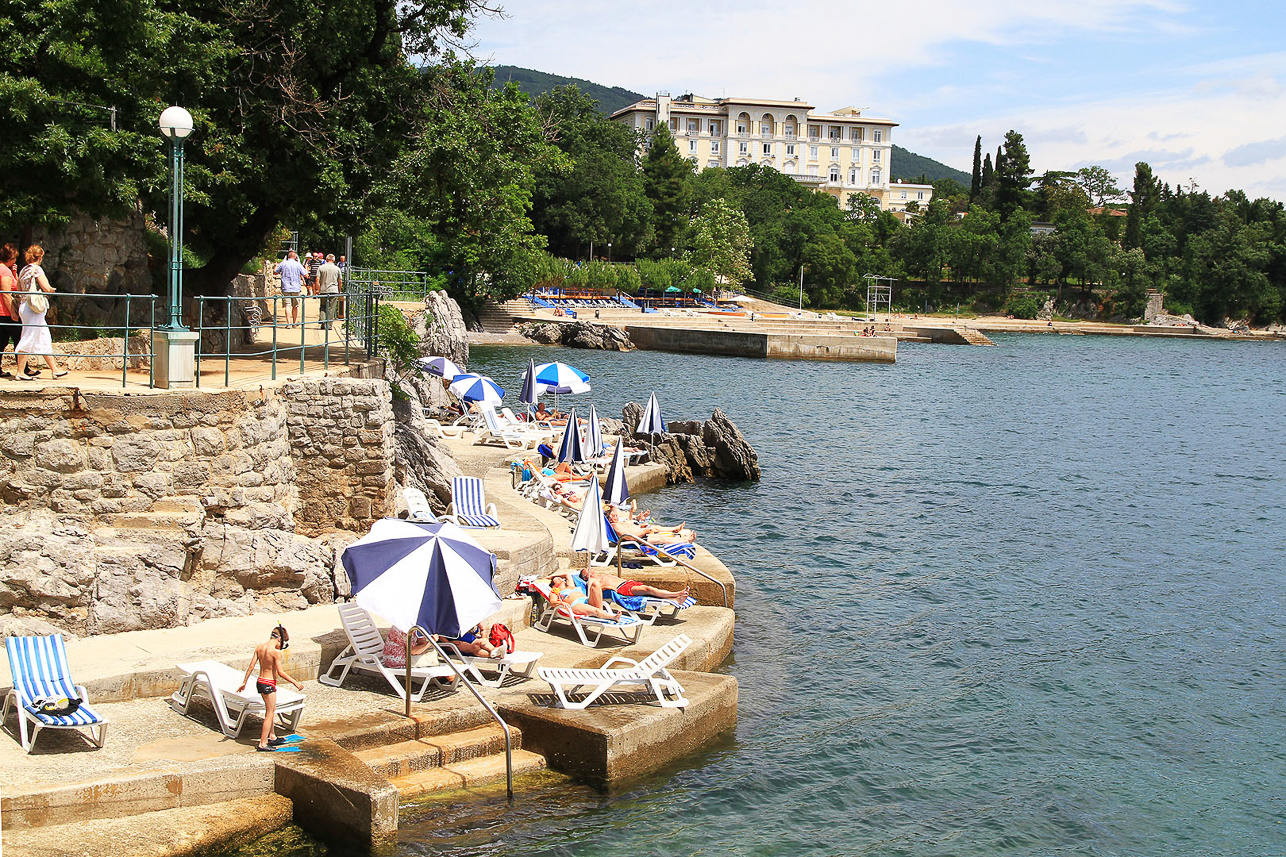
{"x":578,"y":334}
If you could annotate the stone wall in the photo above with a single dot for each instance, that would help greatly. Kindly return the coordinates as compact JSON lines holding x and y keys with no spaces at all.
{"x":97,"y":255}
{"x":341,"y":440}
{"x":124,"y":512}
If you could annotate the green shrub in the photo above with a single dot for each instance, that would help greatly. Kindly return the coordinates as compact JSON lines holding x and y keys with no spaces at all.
{"x":397,"y":342}
{"x":1023,"y":306}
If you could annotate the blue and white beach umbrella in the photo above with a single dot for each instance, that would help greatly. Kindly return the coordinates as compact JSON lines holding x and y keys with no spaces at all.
{"x":593,"y":434}
{"x":440,"y":367}
{"x":651,"y":423}
{"x":615,"y":489}
{"x":477,"y":388}
{"x":561,"y":378}
{"x":530,"y":389}
{"x":571,"y":449}
{"x":590,"y":534}
{"x":431,"y":575}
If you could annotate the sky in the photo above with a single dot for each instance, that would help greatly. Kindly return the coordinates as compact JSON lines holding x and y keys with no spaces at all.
{"x":1197,"y":88}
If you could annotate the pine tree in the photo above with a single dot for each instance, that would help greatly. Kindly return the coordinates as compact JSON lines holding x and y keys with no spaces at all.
{"x":975,"y":186}
{"x":1143,"y":199}
{"x":1013,"y":176}
{"x":665,"y":181}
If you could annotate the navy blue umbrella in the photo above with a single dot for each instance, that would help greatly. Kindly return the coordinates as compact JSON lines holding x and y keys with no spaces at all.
{"x":530,"y":390}
{"x":571,"y":448}
{"x":615,"y":489}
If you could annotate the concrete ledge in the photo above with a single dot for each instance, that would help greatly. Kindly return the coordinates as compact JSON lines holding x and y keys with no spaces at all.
{"x":336,"y":796}
{"x":200,"y":784}
{"x":168,"y":833}
{"x":625,"y":736}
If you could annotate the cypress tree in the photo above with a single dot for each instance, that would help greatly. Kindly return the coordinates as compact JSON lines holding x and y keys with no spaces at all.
{"x":1142,"y":200}
{"x":665,"y":181}
{"x":988,"y":174}
{"x":975,"y":186}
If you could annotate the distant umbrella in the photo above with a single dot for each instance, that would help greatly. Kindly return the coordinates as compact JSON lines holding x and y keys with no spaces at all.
{"x":561,"y":378}
{"x":477,"y":388}
{"x":571,"y":448}
{"x":652,"y":423}
{"x":593,"y":434}
{"x":590,"y":534}
{"x":441,"y":367}
{"x":615,"y":490}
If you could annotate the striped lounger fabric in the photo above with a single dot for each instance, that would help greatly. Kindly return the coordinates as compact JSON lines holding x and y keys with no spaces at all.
{"x":39,"y":669}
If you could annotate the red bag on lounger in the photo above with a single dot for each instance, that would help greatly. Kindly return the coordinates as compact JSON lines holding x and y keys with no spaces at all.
{"x":502,"y":636}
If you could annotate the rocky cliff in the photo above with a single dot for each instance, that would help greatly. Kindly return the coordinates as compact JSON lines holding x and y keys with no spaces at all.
{"x":577,"y":334}
{"x":691,"y":448}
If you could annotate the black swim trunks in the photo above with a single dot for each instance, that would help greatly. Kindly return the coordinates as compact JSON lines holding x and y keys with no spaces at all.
{"x":262,"y":686}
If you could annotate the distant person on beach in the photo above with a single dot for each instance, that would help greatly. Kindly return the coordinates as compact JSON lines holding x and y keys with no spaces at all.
{"x":268,"y":657}
{"x":328,"y":286}
{"x":631,"y":588}
{"x":10,"y":323}
{"x":35,"y":340}
{"x":292,"y":275}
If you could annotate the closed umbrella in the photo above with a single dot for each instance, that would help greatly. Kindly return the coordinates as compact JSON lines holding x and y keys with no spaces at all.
{"x":593,"y":434}
{"x":652,"y":423}
{"x":590,"y":534}
{"x":440,"y":367}
{"x":615,"y":489}
{"x":571,"y":448}
{"x":431,"y":576}
{"x":530,"y":390}
{"x":477,"y":388}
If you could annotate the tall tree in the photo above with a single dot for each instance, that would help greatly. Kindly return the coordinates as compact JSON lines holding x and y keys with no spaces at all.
{"x":720,"y":241}
{"x":599,"y":197}
{"x":975,"y":186}
{"x":666,"y":176}
{"x":1143,"y":199}
{"x":1013,"y":176}
{"x":988,"y":181}
{"x":1099,"y":185}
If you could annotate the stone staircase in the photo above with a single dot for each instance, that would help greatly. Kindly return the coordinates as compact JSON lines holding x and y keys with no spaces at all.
{"x":499,"y":318}
{"x":974,"y":337}
{"x":464,"y":759}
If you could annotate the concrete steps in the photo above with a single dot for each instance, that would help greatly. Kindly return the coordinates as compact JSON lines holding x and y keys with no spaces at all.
{"x":500,"y":318}
{"x":973,"y":337}
{"x":482,"y":771}
{"x":471,"y":757}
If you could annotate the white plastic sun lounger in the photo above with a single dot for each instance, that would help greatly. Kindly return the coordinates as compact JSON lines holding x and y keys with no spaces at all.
{"x":650,"y":673}
{"x":510,"y":438}
{"x":38,"y":666}
{"x":442,"y":431}
{"x":516,"y":663}
{"x":218,"y":683}
{"x":417,"y":507}
{"x":589,"y":629}
{"x":365,"y":653}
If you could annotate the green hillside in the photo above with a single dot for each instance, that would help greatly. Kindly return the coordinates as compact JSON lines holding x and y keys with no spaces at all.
{"x":609,"y":98}
{"x":910,"y":166}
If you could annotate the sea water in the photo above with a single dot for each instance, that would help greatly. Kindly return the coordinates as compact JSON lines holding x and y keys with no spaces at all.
{"x":1025,"y":599}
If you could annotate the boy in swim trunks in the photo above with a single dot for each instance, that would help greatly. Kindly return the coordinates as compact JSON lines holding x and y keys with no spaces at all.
{"x":629,"y":588}
{"x":268,"y":657}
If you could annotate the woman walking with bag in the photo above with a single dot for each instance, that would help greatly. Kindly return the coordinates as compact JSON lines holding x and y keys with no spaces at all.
{"x":35,"y":341}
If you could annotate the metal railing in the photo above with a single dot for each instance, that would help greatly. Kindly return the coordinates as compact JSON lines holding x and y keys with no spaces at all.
{"x":389,"y":285}
{"x":266,"y":328}
{"x":123,"y":316}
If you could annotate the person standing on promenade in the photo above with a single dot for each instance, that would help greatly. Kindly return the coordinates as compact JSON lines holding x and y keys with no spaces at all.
{"x":35,"y":340}
{"x":328,"y":285}
{"x":268,"y":657}
{"x":314,"y":265}
{"x":343,"y":278}
{"x":10,"y":326}
{"x":292,"y":275}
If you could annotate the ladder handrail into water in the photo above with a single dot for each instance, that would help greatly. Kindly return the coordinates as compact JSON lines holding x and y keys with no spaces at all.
{"x":661,"y":550}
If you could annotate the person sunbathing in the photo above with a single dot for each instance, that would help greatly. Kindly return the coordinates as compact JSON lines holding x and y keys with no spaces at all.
{"x":565,"y":592}
{"x":631,"y":588}
{"x":567,"y":496}
{"x":474,"y":643}
{"x":649,"y":533}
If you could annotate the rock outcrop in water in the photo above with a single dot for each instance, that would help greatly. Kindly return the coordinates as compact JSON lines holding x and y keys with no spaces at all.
{"x":578,"y":334}
{"x":691,"y":448}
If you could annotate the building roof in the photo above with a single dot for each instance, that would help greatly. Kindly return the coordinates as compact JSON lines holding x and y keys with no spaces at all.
{"x":699,"y":104}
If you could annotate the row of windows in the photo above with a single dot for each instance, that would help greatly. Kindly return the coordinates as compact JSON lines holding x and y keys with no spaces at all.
{"x":768,"y":128}
{"x":791,"y":168}
{"x":769,"y":150}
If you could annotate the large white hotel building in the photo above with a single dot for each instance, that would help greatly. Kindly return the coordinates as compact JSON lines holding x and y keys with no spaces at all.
{"x":840,"y":153}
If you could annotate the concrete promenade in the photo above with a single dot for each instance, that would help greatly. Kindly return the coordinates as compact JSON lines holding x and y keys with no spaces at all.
{"x":168,"y":784}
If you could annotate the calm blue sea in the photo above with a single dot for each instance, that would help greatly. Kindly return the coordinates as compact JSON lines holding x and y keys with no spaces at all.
{"x":1015,"y":600}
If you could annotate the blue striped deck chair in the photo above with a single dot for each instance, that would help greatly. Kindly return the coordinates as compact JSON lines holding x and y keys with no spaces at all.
{"x":662,"y":555}
{"x":39,"y":669}
{"x":469,"y":507}
{"x":647,"y":608}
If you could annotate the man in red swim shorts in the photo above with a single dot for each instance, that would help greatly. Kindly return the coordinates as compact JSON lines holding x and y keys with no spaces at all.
{"x":630,"y":588}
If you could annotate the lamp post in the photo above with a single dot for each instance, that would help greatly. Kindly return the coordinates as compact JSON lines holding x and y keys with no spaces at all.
{"x":173,"y":345}
{"x":609,"y":252}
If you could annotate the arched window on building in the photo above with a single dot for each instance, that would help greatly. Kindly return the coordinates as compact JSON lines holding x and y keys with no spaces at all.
{"x":743,"y":123}
{"x":790,"y":127}
{"x":767,"y":125}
